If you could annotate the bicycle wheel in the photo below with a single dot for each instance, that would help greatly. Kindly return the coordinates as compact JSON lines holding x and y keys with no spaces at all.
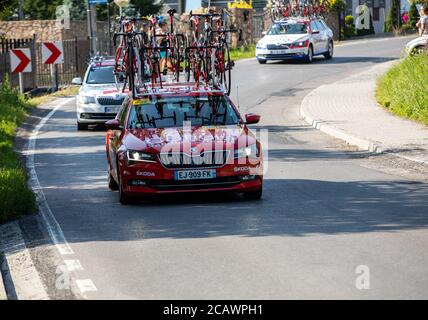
{"x":228,"y":64}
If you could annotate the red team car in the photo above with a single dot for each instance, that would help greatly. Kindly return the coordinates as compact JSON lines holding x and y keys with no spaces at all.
{"x":182,"y":138}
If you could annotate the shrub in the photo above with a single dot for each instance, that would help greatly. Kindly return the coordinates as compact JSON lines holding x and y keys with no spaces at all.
{"x":349,"y":20}
{"x":349,"y":28}
{"x":336,"y":5}
{"x":392,"y":19}
{"x":413,"y":14}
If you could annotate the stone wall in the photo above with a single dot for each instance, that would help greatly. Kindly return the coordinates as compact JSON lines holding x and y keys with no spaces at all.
{"x":47,"y":30}
{"x":242,"y":19}
{"x":332,"y":20}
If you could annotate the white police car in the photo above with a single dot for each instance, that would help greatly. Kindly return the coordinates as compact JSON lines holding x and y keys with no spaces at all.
{"x":296,"y":38}
{"x":99,"y":99}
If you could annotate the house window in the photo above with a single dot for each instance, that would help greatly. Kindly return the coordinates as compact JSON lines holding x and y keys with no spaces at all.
{"x":376,"y":5}
{"x":376,"y":16}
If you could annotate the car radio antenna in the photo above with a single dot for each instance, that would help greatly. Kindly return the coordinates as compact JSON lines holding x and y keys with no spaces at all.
{"x":237,"y":97}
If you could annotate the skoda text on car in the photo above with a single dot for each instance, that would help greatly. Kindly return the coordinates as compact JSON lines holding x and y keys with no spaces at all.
{"x":296,"y":38}
{"x":182,"y":139}
{"x":99,"y":99}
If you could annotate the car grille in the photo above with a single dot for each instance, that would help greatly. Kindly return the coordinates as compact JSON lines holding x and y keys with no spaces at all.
{"x":182,"y":160}
{"x":222,"y":182}
{"x":277,"y":47}
{"x":110,"y":101}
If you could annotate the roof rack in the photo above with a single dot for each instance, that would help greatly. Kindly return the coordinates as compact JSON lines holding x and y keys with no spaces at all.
{"x":179,"y":88}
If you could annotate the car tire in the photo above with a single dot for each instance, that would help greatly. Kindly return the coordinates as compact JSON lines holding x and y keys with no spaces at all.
{"x":262,"y":61}
{"x":82,"y":126}
{"x":310,"y":56}
{"x":253,"y":195}
{"x":124,"y":199}
{"x":112,"y":184}
{"x":329,"y":53}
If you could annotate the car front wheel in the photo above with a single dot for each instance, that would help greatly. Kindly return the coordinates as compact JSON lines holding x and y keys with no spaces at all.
{"x":112,"y":184}
{"x":329,"y":53}
{"x":310,"y":55}
{"x":124,"y":199}
{"x":262,"y":61}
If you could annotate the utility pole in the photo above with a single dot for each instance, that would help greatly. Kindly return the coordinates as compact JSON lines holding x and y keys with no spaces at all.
{"x":20,"y":12}
{"x":91,"y":28}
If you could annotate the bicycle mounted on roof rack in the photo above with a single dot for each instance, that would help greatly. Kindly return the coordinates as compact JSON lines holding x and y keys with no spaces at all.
{"x":297,"y":8}
{"x":206,"y":56}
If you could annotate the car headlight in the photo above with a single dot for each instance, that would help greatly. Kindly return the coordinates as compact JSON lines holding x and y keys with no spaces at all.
{"x":261,"y":45}
{"x":86,"y":99}
{"x":138,"y":156}
{"x":300,"y":44}
{"x":250,"y":152}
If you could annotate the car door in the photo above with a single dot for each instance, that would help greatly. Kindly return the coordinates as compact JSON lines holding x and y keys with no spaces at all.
{"x":324,"y":37}
{"x":316,"y":36}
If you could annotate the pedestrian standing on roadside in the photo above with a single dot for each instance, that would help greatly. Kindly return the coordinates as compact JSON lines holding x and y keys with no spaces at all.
{"x":422,"y":24}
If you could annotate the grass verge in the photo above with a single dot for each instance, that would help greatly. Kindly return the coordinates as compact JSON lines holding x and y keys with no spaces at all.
{"x":16,"y":198}
{"x":243,"y":52}
{"x":404,"y":89}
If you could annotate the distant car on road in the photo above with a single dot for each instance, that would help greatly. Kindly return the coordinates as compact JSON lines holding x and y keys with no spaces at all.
{"x":296,"y":38}
{"x":181,"y":138}
{"x":417,"y":45}
{"x":99,"y":99}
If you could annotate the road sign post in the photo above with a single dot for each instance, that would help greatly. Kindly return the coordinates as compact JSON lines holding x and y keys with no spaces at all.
{"x":20,"y":62}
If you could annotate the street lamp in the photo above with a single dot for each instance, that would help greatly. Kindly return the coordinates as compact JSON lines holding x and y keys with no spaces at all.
{"x":122,"y":4}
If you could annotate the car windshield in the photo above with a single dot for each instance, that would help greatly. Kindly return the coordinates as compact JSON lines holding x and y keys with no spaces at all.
{"x":174,"y":112}
{"x":101,"y":75}
{"x":288,"y":28}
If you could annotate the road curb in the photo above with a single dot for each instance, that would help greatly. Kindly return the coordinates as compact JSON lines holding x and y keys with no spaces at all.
{"x":365,"y":144}
{"x":20,"y":276}
{"x":362,"y":143}
{"x":3,"y":295}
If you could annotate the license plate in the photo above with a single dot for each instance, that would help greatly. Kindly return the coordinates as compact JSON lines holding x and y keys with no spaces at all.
{"x":112,"y":109}
{"x":279,"y":51}
{"x":195,"y":174}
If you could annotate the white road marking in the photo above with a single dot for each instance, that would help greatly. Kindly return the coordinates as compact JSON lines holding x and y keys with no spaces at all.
{"x":73,"y":265}
{"x":52,"y":225}
{"x":86,"y":285}
{"x":54,"y":229}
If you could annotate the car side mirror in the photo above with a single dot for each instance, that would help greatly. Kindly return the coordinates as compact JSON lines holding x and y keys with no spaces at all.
{"x":251,"y":118}
{"x":77,"y":81}
{"x":315,"y":31}
{"x":264,"y":33}
{"x":113,"y":124}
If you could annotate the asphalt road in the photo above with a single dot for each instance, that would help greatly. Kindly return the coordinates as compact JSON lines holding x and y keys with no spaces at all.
{"x":324,"y":212}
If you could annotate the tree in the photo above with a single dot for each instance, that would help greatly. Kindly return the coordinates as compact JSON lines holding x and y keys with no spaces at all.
{"x":146,"y":7}
{"x":7,"y":8}
{"x":40,"y":9}
{"x":413,"y":14}
{"x":77,"y":9}
{"x":392,"y":19}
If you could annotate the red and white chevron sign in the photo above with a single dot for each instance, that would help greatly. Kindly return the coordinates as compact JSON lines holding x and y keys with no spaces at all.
{"x":52,"y":52}
{"x":20,"y":60}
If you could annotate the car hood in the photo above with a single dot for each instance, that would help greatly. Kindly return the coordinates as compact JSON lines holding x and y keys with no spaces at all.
{"x":282,"y":39}
{"x":101,"y":90}
{"x":156,"y":140}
